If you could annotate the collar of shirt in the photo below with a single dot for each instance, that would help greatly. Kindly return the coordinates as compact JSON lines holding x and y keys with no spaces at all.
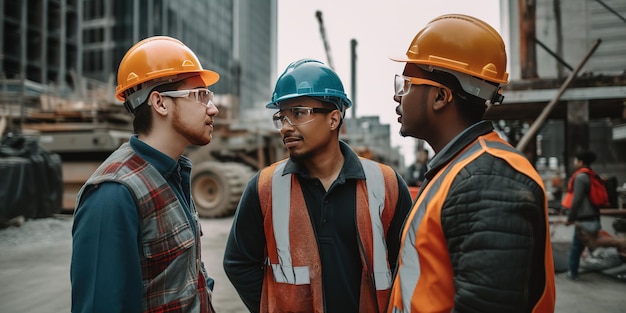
{"x":352,"y":168}
{"x":163,"y":163}
{"x":458,"y":143}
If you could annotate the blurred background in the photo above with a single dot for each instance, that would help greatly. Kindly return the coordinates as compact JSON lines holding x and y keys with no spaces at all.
{"x":59,"y":58}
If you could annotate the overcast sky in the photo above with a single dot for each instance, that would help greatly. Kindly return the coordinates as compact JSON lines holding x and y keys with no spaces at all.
{"x":381,"y":29}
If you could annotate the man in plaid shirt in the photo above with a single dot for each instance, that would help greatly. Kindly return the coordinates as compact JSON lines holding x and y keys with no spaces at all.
{"x":136,"y":237}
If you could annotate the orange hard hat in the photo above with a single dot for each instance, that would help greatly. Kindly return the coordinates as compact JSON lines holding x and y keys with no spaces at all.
{"x":155,"y":61}
{"x":460,"y":43}
{"x":465,"y":47}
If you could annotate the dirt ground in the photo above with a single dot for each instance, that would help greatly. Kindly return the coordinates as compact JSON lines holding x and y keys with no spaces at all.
{"x":34,"y":272}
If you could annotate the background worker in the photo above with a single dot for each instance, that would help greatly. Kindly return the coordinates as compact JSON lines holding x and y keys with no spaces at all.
{"x":477,"y":237}
{"x":318,"y":232}
{"x":415,"y":172}
{"x":136,"y":237}
{"x":583,"y":213}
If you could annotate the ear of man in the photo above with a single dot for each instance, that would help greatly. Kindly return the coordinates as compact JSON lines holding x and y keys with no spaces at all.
{"x":442,"y":98}
{"x":335,"y":118}
{"x":444,"y":94}
{"x":157,"y":103}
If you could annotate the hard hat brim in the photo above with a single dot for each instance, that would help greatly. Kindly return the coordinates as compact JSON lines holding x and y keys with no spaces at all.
{"x":448,"y":68}
{"x":403,"y":58}
{"x":346,"y":103}
{"x":208,"y":77}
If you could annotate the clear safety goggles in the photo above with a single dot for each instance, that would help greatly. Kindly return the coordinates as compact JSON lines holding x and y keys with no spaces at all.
{"x":402,"y":84}
{"x":202,"y":95}
{"x":297,"y":115}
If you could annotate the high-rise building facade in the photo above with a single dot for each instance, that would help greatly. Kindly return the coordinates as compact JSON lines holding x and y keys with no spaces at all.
{"x":77,"y":42}
{"x":40,"y":40}
{"x":236,"y":38}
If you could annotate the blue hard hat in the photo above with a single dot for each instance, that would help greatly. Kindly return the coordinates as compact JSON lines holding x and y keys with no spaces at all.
{"x":310,"y":78}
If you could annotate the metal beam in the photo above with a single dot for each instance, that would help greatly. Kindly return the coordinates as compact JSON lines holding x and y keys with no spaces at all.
{"x":544,"y":95}
{"x":612,"y":10}
{"x":318,"y":15}
{"x":534,"y":128}
{"x":553,"y":54}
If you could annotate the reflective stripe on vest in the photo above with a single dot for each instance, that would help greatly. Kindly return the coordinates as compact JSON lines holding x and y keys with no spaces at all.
{"x":424,"y":217}
{"x":409,"y":271}
{"x":285,"y":272}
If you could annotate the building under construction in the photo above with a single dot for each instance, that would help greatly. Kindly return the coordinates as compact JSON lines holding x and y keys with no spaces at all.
{"x":568,"y":84}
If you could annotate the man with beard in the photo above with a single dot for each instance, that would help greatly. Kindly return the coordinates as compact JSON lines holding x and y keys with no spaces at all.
{"x":477,"y":237}
{"x":318,"y":232}
{"x":136,"y":236}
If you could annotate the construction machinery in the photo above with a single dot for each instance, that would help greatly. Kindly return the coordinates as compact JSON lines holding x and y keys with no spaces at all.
{"x":85,"y":132}
{"x":82,"y":132}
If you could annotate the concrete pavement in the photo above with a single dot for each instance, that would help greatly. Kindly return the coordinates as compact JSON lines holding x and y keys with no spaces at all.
{"x":35,"y":260}
{"x":34,"y":272}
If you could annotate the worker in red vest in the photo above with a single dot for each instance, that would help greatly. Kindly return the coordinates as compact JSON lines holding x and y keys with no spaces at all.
{"x":477,"y":238}
{"x":584,"y":212}
{"x":318,"y":232}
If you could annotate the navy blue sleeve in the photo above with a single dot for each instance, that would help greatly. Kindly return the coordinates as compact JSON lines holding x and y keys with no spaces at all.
{"x":105,"y":270}
{"x":245,"y":248}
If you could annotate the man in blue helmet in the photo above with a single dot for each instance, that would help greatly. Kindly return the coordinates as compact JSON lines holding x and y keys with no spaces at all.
{"x":318,"y":232}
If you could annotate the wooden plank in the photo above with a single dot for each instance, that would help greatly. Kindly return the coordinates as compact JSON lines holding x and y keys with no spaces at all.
{"x":613,"y":212}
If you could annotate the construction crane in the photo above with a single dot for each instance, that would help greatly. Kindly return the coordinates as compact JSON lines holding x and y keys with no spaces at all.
{"x":318,"y":14}
{"x":353,"y":44}
{"x":357,"y":131}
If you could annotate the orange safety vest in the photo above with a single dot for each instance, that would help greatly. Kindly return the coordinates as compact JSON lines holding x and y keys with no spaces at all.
{"x":424,"y":278}
{"x":293,"y":273}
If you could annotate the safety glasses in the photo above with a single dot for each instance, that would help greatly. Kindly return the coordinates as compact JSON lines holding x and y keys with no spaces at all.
{"x":402,"y":84}
{"x":203,"y":96}
{"x":297,"y":115}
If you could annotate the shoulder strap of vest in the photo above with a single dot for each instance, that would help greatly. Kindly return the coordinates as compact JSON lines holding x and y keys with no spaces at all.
{"x":494,"y":145}
{"x":382,"y":189}
{"x":382,"y":197}
{"x":274,"y":189}
{"x":265,"y":190}
{"x":108,"y":170}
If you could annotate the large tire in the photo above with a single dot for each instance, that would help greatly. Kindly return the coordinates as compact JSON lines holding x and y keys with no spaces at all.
{"x":217,"y":187}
